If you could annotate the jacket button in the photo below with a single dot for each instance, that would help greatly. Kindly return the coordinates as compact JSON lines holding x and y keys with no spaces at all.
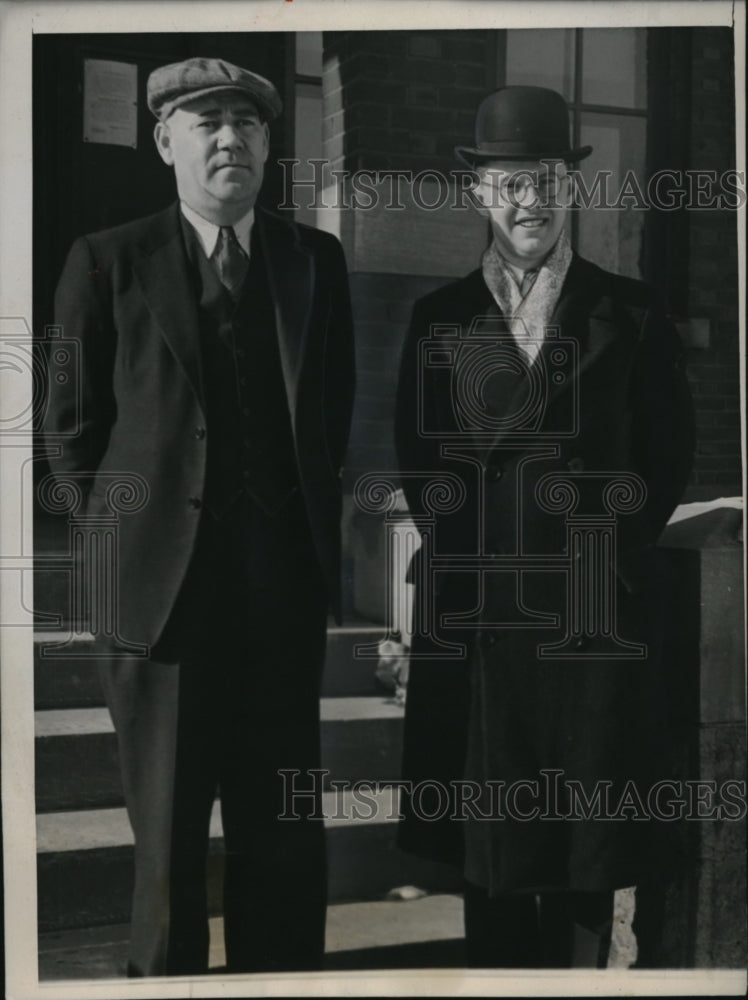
{"x":494,"y":472}
{"x":198,"y":433}
{"x":575,"y":464}
{"x":195,"y":502}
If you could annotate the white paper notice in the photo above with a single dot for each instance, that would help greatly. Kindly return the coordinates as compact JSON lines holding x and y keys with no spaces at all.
{"x":110,"y":102}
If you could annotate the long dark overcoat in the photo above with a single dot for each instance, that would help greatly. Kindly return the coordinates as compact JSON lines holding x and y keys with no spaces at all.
{"x":594,"y":444}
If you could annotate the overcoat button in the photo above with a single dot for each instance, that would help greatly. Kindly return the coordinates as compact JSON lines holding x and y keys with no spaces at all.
{"x":491,"y":639}
{"x":575,"y":464}
{"x":195,"y":502}
{"x":494,"y":472}
{"x":199,"y":433}
{"x":581,"y":643}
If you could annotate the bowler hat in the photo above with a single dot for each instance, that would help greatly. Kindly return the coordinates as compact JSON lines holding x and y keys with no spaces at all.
{"x":169,"y":87}
{"x":522,"y":123}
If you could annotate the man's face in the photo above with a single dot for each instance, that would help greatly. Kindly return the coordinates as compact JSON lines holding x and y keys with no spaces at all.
{"x":218,"y":146}
{"x":527,"y":203}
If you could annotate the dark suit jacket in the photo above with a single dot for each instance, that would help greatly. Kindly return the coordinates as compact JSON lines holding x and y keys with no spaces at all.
{"x":126,"y":296}
{"x":594,"y":717}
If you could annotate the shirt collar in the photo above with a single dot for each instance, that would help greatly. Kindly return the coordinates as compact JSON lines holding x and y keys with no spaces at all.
{"x":208,"y":231}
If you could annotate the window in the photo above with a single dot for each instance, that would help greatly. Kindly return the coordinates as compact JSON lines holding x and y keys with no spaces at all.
{"x":602,"y":74}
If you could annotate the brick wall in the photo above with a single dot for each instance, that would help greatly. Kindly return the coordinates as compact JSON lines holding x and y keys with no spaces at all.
{"x":395,"y":100}
{"x":403,"y":99}
{"x":713,"y":269}
{"x":382,"y":305}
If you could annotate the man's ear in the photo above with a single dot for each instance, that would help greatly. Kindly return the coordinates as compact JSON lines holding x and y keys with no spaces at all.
{"x":163,"y":143}
{"x":266,"y":133}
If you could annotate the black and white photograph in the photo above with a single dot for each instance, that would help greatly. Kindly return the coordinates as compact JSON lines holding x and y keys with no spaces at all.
{"x":372,"y":522}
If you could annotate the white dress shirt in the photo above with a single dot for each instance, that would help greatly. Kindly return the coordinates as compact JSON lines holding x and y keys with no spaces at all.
{"x":208,"y":231}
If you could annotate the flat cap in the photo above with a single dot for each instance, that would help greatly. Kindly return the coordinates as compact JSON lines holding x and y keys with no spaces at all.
{"x":171,"y":86}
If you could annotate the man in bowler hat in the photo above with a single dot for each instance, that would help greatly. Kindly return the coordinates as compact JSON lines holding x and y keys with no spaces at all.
{"x":217,"y":366}
{"x":556,"y":393}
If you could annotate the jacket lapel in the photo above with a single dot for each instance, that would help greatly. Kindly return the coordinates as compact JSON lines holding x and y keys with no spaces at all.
{"x":290,"y":268}
{"x":166,"y":284}
{"x":162,"y":271}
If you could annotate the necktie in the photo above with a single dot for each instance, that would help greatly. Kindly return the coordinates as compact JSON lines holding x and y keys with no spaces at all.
{"x":528,"y":280}
{"x":230,"y":260}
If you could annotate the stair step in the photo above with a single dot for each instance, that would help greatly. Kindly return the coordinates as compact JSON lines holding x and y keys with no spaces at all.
{"x":65,"y":681}
{"x":425,"y":933}
{"x":84,"y":861}
{"x":93,"y":829}
{"x":93,"y":721}
{"x":77,"y":765}
{"x":380,"y":934}
{"x":366,"y":925}
{"x":71,"y":680}
{"x":52,"y":589}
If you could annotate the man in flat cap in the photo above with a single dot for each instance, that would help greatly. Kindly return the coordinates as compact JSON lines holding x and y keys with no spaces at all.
{"x":555,"y":392}
{"x":217,"y":366}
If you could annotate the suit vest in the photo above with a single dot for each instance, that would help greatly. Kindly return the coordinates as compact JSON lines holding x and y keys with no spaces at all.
{"x":250,"y":448}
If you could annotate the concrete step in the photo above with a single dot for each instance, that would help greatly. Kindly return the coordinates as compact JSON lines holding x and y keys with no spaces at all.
{"x":68,"y":677}
{"x":347,"y":674}
{"x":84,"y":860}
{"x":77,"y":765}
{"x":381,"y":934}
{"x":65,"y":677}
{"x":52,"y":590}
{"x":424,"y":933}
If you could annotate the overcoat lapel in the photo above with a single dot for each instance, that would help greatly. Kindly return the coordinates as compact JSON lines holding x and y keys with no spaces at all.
{"x":163,"y":274}
{"x":583,"y":314}
{"x":475,"y":303}
{"x":290,"y":268}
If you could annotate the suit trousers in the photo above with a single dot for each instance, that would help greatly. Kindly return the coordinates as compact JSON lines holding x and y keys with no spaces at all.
{"x":228,"y":698}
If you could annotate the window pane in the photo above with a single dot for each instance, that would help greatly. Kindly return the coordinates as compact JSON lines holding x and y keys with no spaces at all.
{"x":612,"y":237}
{"x":615,"y":67}
{"x":542,"y":58}
{"x":309,"y":53}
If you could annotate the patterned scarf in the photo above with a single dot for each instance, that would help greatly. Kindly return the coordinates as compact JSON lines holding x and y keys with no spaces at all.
{"x":530,"y":312}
